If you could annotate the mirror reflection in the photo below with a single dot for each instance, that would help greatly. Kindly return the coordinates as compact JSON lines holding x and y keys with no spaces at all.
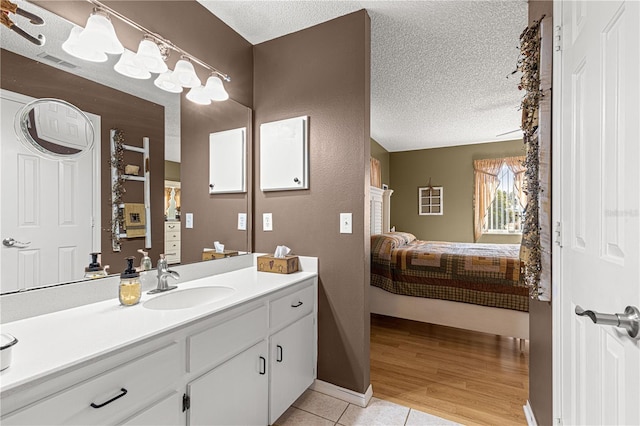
{"x":54,"y":128}
{"x":77,"y":192}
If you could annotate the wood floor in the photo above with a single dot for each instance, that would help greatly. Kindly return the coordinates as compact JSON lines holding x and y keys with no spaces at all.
{"x":468,"y":377}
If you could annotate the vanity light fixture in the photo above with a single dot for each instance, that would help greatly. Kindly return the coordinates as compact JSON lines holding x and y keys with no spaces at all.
{"x":215,"y":89}
{"x":129,"y":65}
{"x":199,"y":96}
{"x":99,"y":35}
{"x":184,"y":74}
{"x":74,"y":47}
{"x":167,"y":83}
{"x":98,"y":38}
{"x":150,"y":57}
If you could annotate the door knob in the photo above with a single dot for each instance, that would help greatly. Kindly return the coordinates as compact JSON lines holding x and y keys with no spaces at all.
{"x":629,"y":320}
{"x":10,"y":242}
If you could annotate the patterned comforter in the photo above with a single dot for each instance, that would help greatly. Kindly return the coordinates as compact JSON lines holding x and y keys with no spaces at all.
{"x":482,"y":274}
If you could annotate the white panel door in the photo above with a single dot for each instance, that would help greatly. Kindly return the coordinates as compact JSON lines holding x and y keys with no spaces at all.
{"x":51,"y":205}
{"x":600,"y":210}
{"x":227,"y":161}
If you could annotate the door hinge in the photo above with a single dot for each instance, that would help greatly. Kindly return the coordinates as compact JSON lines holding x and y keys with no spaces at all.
{"x":557,"y":38}
{"x":558,"y":232}
{"x":186,"y":402}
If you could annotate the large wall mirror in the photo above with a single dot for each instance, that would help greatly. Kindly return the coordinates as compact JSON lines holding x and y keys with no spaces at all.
{"x":54,"y":213}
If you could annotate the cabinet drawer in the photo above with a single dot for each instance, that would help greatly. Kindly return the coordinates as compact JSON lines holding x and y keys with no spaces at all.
{"x":173,"y":257}
{"x":137,"y":382}
{"x":291,"y":307}
{"x":172,"y":236}
{"x":172,"y":226}
{"x":171,"y":246}
{"x":214,"y":345}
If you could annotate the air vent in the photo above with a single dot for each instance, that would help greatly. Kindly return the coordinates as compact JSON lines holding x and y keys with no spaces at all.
{"x":56,"y":60}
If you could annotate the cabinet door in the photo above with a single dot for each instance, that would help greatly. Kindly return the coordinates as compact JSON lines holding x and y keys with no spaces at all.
{"x":167,"y":412}
{"x":292,"y":364}
{"x":234,"y":393}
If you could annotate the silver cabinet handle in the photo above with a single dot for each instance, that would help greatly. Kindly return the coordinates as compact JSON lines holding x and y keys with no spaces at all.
{"x":629,"y":320}
{"x":10,"y":242}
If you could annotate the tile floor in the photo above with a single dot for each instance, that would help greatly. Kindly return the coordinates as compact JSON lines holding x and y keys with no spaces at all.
{"x":317,"y":409}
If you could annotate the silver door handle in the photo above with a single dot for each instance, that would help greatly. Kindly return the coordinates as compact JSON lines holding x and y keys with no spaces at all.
{"x":629,"y":320}
{"x":10,"y":242}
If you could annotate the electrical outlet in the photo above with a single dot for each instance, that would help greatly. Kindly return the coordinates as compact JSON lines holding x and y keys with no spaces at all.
{"x":189,"y":220}
{"x":346,"y":223}
{"x":242,"y":221}
{"x":267,"y":222}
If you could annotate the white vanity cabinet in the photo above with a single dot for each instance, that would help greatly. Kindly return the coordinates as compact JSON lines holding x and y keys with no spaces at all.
{"x":110,"y":396}
{"x":292,"y":348}
{"x":242,"y":365}
{"x":234,"y":393}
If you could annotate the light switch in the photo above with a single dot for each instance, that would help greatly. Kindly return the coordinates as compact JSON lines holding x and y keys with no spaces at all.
{"x":267,"y":222}
{"x":242,"y":221}
{"x":189,"y":220}
{"x":346,"y":223}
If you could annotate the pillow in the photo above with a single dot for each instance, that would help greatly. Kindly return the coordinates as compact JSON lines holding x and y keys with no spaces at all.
{"x":407,"y":237}
{"x":383,"y":244}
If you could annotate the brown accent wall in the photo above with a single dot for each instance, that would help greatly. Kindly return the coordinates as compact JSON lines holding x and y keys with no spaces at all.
{"x":540,"y":313}
{"x":451,"y":168}
{"x":324,"y":72}
{"x":134,"y":116}
{"x":379,"y":153}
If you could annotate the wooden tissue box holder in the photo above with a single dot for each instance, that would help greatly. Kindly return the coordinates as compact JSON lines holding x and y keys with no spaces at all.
{"x":279,"y":265}
{"x":208,"y":254}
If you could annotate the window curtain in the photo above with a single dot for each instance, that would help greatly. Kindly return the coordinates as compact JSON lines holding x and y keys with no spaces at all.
{"x":486,"y":183}
{"x":516,"y":165}
{"x":376,"y":173}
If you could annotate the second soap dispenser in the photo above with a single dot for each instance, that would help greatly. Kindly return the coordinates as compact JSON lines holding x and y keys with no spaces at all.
{"x":130,"y":288}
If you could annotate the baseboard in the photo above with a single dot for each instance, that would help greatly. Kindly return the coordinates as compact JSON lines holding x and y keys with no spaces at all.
{"x":528,"y":413}
{"x":352,"y":397}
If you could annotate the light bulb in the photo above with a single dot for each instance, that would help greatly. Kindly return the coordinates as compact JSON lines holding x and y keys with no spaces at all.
{"x":75,"y":48}
{"x":167,"y":83}
{"x":199,"y":96}
{"x":150,"y":57}
{"x":215,"y":89}
{"x":130,"y":67}
{"x":185,"y":75}
{"x":100,"y":35}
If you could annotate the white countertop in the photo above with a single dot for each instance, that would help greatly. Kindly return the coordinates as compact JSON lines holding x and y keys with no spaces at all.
{"x":54,"y":342}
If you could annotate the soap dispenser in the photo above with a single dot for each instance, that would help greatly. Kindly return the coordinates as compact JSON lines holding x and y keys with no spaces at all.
{"x":95,"y":270}
{"x":130,"y":288}
{"x":145,"y":262}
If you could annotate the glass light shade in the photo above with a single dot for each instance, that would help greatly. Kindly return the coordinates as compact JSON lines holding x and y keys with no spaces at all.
{"x":215,"y":89}
{"x":167,"y":83}
{"x":100,"y":35}
{"x":185,"y":75}
{"x":75,"y":48}
{"x":150,"y":57}
{"x":130,"y":67}
{"x":199,"y":95}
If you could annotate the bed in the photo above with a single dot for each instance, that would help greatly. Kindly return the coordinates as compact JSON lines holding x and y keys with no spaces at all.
{"x":471,"y":286}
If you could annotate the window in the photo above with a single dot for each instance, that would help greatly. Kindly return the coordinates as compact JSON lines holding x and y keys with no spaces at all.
{"x":499,"y":200}
{"x":505,"y":212}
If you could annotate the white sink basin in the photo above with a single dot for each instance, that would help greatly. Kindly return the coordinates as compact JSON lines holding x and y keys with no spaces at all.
{"x":188,"y":298}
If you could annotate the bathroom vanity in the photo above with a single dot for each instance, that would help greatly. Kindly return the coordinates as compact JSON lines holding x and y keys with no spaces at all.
{"x":240,"y":349}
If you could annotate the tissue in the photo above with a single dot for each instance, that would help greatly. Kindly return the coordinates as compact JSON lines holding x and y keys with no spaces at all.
{"x":281,"y":251}
{"x":219,"y":247}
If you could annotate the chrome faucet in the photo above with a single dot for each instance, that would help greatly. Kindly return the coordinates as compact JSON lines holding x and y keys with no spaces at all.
{"x":164,"y":273}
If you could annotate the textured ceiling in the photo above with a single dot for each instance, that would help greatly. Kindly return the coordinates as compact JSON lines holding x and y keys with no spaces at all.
{"x":438,"y":68}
